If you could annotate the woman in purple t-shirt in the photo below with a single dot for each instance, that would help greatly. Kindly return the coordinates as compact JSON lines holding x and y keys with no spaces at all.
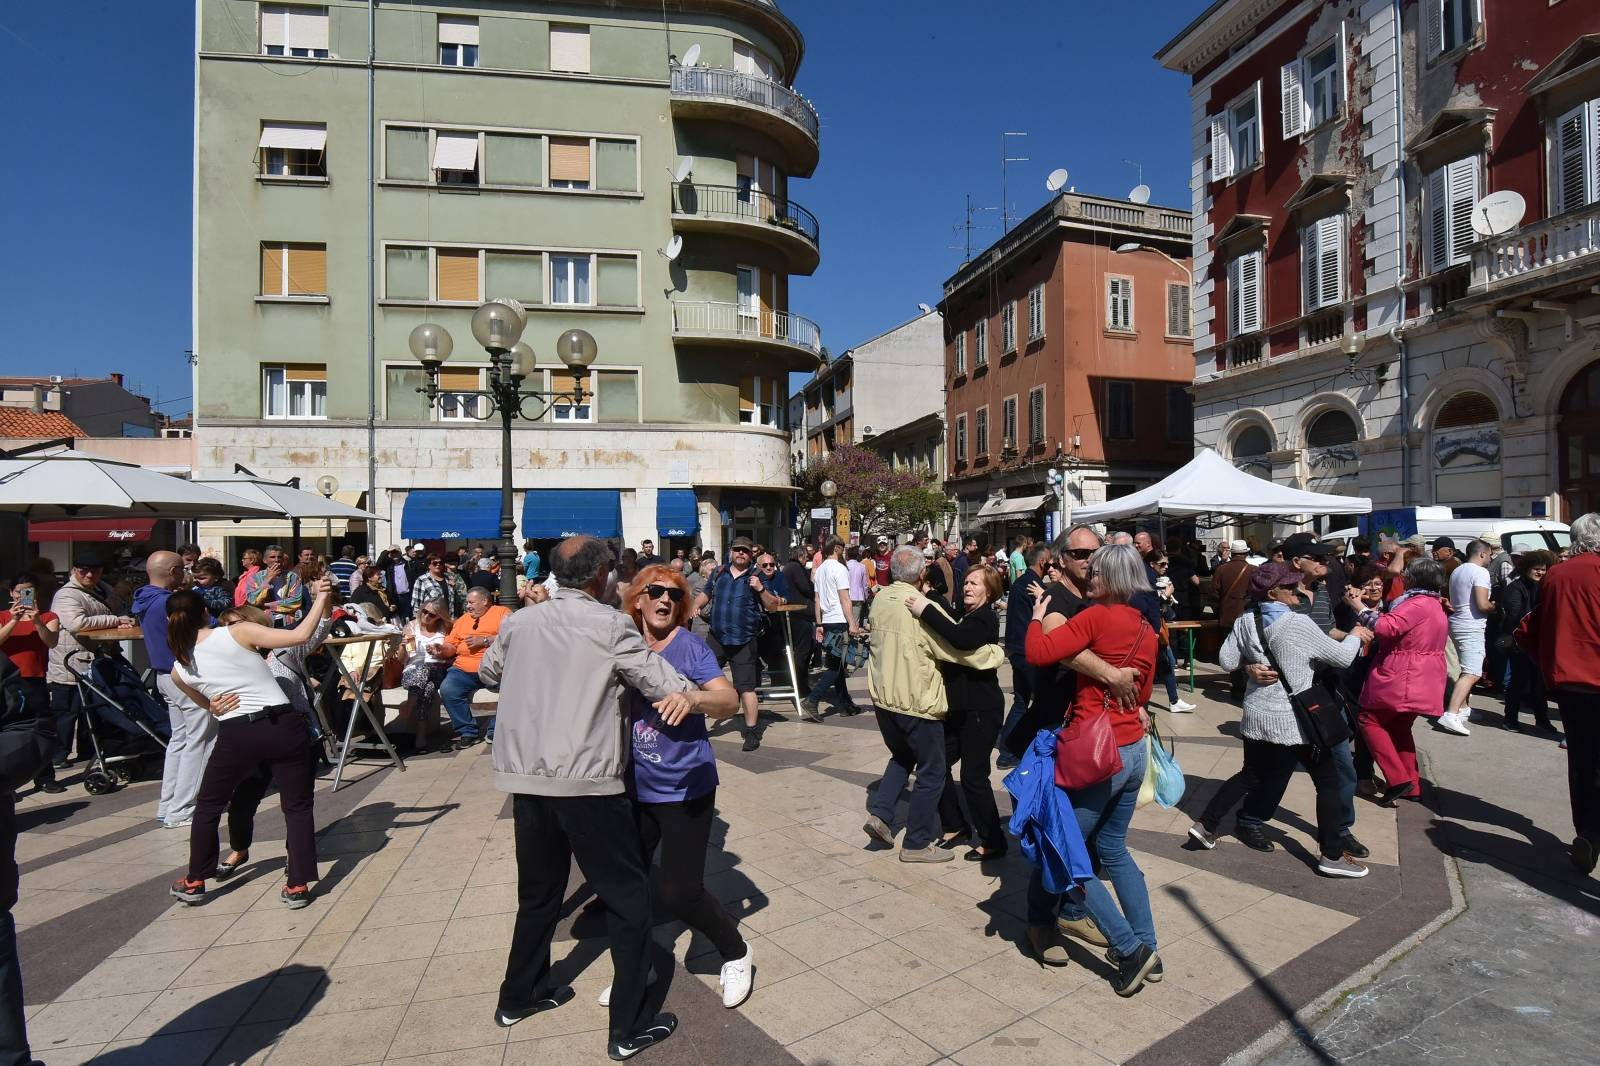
{"x":673,"y":776}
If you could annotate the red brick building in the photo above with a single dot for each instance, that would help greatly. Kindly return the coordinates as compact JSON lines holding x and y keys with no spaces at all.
{"x":1064,"y":353}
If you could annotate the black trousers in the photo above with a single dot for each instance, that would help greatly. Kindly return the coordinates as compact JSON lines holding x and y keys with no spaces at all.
{"x":13,"y":1023}
{"x":37,"y":704}
{"x":65,"y":703}
{"x":1580,"y":720}
{"x":1275,"y":765}
{"x":1526,"y":687}
{"x":683,"y":830}
{"x":601,"y":834}
{"x":969,"y":738}
{"x":284,"y":743}
{"x":247,"y":797}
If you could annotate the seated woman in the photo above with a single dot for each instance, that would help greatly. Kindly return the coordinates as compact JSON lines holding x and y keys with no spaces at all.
{"x":673,"y":776}
{"x":424,"y":669}
{"x":222,"y":670}
{"x":371,"y":591}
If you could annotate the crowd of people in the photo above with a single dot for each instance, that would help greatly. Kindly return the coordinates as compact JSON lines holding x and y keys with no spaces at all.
{"x":1334,"y":655}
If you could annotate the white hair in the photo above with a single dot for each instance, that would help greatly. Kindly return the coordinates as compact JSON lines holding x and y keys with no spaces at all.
{"x":1121,"y":572}
{"x":1586,"y":533}
{"x":907,"y":564}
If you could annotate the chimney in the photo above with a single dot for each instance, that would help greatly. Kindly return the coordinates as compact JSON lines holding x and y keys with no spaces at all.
{"x":38,"y":399}
{"x":116,"y":379}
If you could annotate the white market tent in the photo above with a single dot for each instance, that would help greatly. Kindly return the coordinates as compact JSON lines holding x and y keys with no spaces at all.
{"x":1210,"y":485}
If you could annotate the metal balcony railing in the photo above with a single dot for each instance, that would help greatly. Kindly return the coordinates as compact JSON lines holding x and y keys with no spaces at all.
{"x":730,"y":201}
{"x":733,"y":320}
{"x":1553,"y":242}
{"x":736,"y":87}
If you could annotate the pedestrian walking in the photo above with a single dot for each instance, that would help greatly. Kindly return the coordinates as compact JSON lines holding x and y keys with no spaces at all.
{"x":1407,"y":678}
{"x":1518,"y":598}
{"x":1470,"y":608}
{"x":835,"y":626}
{"x":735,"y":595}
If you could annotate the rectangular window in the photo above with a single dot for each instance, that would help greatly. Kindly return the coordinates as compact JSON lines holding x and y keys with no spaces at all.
{"x":1450,"y":192}
{"x":569,"y":48}
{"x":747,"y":60}
{"x":1236,"y":136}
{"x":1244,"y":294}
{"x":293,"y":30}
{"x":455,"y":158}
{"x":405,"y":153}
{"x":1180,"y":415}
{"x":617,"y":281}
{"x":514,"y":275}
{"x":1324,"y":81}
{"x":759,"y":401}
{"x":616,"y":396}
{"x":569,"y":280}
{"x":1036,"y":415}
{"x":961,"y":438}
{"x":1177,"y":309}
{"x":1036,"y":312}
{"x":401,"y":400}
{"x":1008,"y":423}
{"x":961,"y":353}
{"x":456,"y":400}
{"x":1119,"y":304}
{"x":1119,"y":410}
{"x":458,"y":41}
{"x":294,"y":390}
{"x":513,"y":159}
{"x":1575,"y":158}
{"x":1008,"y":327}
{"x":294,"y":269}
{"x":616,"y":165}
{"x":293,"y":149}
{"x":1449,"y":24}
{"x":457,"y":273}
{"x":980,"y":343}
{"x":980,"y":433}
{"x":1322,"y":263}
{"x":569,"y":163}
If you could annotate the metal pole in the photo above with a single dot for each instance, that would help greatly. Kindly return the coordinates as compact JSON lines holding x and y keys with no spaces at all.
{"x":507,"y":388}
{"x":372,"y":267}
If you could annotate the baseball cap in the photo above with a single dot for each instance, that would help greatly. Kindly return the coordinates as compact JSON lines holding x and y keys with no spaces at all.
{"x":1269,"y":576}
{"x":1443,"y":542}
{"x":1307,"y":545}
{"x":416,"y":548}
{"x":91,"y":556}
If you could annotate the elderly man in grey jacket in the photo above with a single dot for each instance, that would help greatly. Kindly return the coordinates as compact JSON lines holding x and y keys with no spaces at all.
{"x":561,"y":749}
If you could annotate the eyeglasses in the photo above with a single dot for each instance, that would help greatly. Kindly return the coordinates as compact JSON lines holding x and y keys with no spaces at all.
{"x":769,"y":566}
{"x":1080,"y":554}
{"x":671,"y":592}
{"x":1161,"y":565}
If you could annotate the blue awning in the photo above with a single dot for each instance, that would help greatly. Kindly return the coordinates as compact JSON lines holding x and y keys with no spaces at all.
{"x":552,"y":513}
{"x":451,"y":514}
{"x":677,"y":514}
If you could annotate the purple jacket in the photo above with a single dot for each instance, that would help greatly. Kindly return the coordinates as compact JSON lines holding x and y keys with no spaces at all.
{"x":1408,"y":671}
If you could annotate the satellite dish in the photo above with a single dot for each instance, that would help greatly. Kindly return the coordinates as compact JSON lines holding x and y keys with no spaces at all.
{"x":1140,"y":194}
{"x":674,"y":249}
{"x":327,"y":484}
{"x":1057,"y":178}
{"x":692,"y":56}
{"x":1498,"y":213}
{"x":685,"y":166}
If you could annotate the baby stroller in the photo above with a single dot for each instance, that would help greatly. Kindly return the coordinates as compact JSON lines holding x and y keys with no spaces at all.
{"x":125,"y":724}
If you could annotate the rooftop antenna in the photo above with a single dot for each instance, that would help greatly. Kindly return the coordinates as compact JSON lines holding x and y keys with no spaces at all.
{"x":1005,"y":160}
{"x":967,"y":228}
{"x":1136,"y":165}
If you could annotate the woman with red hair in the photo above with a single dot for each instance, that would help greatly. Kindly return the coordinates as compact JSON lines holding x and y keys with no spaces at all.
{"x":673,"y":776}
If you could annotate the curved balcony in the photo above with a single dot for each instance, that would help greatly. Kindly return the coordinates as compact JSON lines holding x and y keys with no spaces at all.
{"x":775,"y":221}
{"x":749,"y":99}
{"x":794,"y":337}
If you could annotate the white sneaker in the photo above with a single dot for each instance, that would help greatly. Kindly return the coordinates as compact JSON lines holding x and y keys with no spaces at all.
{"x":1454,"y":723}
{"x":605,"y":993}
{"x":1182,"y":707}
{"x":737,"y":978}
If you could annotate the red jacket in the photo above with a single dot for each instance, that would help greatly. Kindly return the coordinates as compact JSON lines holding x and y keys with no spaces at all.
{"x":1116,"y":633}
{"x":1562,"y":634}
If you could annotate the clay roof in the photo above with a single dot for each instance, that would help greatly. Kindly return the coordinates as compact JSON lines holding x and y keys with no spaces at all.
{"x":16,"y":422}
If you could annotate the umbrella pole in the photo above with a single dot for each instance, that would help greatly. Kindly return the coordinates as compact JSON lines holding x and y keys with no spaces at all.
{"x":294,"y":538}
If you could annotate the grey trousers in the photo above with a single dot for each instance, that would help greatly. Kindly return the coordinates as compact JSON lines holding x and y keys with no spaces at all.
{"x":194,"y":733}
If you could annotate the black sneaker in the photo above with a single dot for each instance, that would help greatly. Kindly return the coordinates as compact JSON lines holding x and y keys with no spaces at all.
{"x":51,"y":786}
{"x":853,"y":709}
{"x":752,"y":741}
{"x":186,"y":891}
{"x":1133,"y":971}
{"x":663,"y":1026}
{"x":1153,"y":977}
{"x":1354,"y":848}
{"x":505,"y":1019}
{"x":1584,"y":855}
{"x":463,"y":743}
{"x":1254,"y":838}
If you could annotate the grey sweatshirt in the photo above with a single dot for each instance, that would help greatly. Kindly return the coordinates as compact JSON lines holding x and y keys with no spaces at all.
{"x":563,"y":668}
{"x":1297,"y":644}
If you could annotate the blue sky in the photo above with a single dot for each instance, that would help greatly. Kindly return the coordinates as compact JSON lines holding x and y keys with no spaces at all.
{"x":913,"y":96}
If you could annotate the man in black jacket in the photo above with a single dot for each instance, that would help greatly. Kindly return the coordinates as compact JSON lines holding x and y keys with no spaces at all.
{"x":799,"y":590}
{"x":22,"y":754}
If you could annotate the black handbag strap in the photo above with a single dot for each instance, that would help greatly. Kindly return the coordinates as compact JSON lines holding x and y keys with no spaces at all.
{"x":1272,"y":660}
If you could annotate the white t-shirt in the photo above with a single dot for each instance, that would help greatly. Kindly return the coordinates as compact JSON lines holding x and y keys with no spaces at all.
{"x":833,"y":589}
{"x":1467,"y":577}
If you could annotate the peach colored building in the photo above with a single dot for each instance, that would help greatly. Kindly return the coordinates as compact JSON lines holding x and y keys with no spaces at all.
{"x":1064,"y":353}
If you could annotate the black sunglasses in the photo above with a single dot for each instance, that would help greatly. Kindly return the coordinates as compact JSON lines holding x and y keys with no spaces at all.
{"x":672,"y":592}
{"x":1080,"y":554}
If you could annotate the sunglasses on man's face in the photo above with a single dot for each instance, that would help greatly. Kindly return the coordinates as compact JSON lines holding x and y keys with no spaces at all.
{"x":671,"y":592}
{"x":1080,"y":554}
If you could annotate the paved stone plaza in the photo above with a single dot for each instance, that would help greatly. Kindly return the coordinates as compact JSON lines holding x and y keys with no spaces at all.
{"x":860,"y":959}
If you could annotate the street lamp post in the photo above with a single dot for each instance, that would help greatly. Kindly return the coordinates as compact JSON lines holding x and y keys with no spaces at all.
{"x":498,"y":325}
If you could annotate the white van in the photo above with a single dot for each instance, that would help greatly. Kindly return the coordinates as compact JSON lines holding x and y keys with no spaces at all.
{"x":1512,"y":534}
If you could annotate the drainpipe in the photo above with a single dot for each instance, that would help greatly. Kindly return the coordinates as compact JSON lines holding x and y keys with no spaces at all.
{"x":372,"y":294}
{"x":1395,"y":331}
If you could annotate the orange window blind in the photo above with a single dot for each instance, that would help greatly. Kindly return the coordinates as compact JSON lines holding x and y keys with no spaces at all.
{"x":458,"y":274}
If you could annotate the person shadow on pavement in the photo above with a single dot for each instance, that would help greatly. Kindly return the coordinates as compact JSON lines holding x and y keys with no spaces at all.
{"x":1539,"y":859}
{"x":255,"y":1016}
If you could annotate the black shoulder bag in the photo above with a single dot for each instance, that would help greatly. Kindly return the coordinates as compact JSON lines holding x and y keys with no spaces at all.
{"x":1318,"y":712}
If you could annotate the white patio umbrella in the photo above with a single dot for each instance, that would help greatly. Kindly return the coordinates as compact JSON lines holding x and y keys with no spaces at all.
{"x":284,"y":500}
{"x":69,"y":484}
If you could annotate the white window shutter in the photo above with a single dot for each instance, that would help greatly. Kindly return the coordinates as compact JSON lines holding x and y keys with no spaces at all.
{"x":1294,"y":100}
{"x":1235,"y":271}
{"x":1437,"y":234}
{"x":1250,"y":284}
{"x":1309,"y":255}
{"x":1569,"y":185}
{"x":1330,"y":261}
{"x":1434,"y":29}
{"x":1221,"y":148}
{"x":1594,"y":150}
{"x":1463,"y":193}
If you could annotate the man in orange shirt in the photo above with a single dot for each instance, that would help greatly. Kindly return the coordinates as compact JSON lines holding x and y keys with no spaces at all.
{"x":469,"y":638}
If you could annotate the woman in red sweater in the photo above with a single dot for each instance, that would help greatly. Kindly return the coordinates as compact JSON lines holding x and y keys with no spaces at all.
{"x":1120,"y":635}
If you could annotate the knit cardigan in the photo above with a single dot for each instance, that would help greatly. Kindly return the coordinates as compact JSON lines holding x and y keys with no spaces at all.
{"x":1297,"y":643}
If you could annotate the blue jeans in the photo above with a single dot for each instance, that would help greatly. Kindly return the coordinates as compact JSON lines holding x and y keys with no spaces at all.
{"x":1021,"y":696}
{"x":455,"y":691}
{"x":1104,"y":811}
{"x":833,"y":674}
{"x":1168,"y":668}
{"x":916,"y":745}
{"x":1344,"y":761}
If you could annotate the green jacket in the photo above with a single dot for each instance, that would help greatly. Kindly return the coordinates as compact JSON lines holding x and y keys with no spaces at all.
{"x":903,"y":669}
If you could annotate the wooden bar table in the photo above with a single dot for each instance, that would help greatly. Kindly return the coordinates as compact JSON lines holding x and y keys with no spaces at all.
{"x":357,"y":692}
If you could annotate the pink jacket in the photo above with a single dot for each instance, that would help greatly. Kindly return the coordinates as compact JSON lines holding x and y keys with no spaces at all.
{"x":1408,"y":671}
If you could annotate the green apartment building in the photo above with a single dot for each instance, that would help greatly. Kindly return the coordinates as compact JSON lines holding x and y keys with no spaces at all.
{"x":361,"y":168}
